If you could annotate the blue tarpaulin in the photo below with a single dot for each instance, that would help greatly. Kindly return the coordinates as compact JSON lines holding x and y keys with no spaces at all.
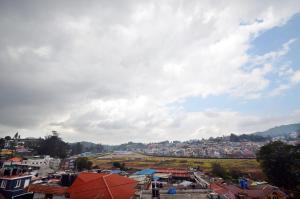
{"x":155,"y":178}
{"x":146,"y":172}
{"x":116,"y":171}
{"x":172,"y":190}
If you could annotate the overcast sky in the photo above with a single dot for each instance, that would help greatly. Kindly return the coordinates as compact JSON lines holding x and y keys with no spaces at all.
{"x":118,"y":71}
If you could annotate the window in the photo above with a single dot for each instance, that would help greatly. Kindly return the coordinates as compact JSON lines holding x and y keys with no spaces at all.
{"x":18,"y":184}
{"x":3,"y":184}
{"x":26,"y":183}
{"x":275,"y":197}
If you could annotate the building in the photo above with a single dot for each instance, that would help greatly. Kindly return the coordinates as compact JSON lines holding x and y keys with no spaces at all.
{"x":45,"y":161}
{"x":13,"y":184}
{"x":46,"y":191}
{"x":235,"y":192}
{"x":42,"y":166}
{"x":99,"y":185}
{"x":69,"y":164}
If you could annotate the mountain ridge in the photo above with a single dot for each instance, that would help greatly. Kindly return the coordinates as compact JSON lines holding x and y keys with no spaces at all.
{"x":281,"y":130}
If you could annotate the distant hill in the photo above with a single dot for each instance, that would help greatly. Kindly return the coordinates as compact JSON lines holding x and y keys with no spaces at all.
{"x":280,"y":130}
{"x":87,"y":144}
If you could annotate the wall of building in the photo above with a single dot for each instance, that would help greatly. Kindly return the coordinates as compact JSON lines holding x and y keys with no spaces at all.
{"x":42,"y":196}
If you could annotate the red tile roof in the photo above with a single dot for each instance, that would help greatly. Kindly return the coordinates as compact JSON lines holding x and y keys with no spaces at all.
{"x":104,"y":186}
{"x":174,"y":172}
{"x":218,"y":189}
{"x":222,"y":189}
{"x":55,"y":190}
{"x":15,"y":159}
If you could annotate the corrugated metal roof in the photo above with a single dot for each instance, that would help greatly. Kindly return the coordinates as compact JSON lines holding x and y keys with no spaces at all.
{"x":146,"y":172}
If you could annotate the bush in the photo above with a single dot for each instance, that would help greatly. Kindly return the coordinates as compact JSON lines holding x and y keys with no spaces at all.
{"x":219,"y":170}
{"x":119,"y":165}
{"x":82,"y":163}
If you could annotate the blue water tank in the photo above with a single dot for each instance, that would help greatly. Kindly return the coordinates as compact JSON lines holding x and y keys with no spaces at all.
{"x":243,"y":183}
{"x":172,"y":190}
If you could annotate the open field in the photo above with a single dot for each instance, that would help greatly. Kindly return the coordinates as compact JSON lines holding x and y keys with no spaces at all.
{"x":139,"y":161}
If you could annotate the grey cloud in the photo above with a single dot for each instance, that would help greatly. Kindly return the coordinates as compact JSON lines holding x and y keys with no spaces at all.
{"x":59,"y":57}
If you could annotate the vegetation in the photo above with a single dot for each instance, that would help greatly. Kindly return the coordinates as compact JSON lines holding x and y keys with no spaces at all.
{"x":230,"y":173}
{"x":119,"y":165}
{"x":2,"y":143}
{"x":281,"y":164}
{"x":81,"y":147}
{"x":245,"y":137}
{"x":53,"y":145}
{"x":218,"y":170}
{"x":233,"y":167}
{"x":128,"y":146}
{"x":82,"y":163}
{"x":281,"y":130}
{"x":235,"y":173}
{"x":76,"y":148}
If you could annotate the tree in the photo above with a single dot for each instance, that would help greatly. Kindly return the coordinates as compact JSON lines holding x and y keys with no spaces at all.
{"x":219,"y":170}
{"x":281,"y":164}
{"x":76,"y":148}
{"x":235,"y":173}
{"x":233,"y":138}
{"x":34,"y":144}
{"x":7,"y":138}
{"x":54,"y":146}
{"x":245,"y":137}
{"x":16,"y":136}
{"x":82,"y":163}
{"x":2,"y":143}
{"x":119,"y":165}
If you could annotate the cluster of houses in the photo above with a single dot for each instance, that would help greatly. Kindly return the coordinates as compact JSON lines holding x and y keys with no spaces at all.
{"x":45,"y":177}
{"x":263,"y":191}
{"x":204,"y":148}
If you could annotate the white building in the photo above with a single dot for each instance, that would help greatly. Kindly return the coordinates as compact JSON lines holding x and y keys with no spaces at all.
{"x":47,"y":161}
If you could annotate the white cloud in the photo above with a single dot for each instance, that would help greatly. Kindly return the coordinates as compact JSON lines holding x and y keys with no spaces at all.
{"x":110,"y":70}
{"x":295,"y":78}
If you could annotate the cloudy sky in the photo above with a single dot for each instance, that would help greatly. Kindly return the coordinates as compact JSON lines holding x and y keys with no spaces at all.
{"x":118,"y":71}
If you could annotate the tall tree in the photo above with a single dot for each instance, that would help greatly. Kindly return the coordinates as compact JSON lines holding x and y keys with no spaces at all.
{"x":281,"y":164}
{"x":7,"y":137}
{"x":16,"y":136}
{"x":54,"y":146}
{"x":2,"y":143}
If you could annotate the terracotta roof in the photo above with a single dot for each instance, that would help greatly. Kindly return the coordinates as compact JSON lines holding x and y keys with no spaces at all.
{"x":104,"y":186}
{"x":174,"y":172}
{"x":39,"y":188}
{"x":233,"y":189}
{"x":267,"y":189}
{"x":15,"y":159}
{"x":218,"y":189}
{"x":253,"y":193}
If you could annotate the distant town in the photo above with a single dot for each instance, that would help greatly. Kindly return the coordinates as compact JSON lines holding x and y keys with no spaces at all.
{"x":232,"y":146}
{"x":215,"y":168}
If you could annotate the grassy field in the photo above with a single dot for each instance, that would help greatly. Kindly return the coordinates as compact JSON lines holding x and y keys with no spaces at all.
{"x":139,"y":161}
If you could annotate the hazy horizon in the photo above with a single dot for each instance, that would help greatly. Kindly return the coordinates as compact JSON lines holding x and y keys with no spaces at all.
{"x":144,"y":71}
